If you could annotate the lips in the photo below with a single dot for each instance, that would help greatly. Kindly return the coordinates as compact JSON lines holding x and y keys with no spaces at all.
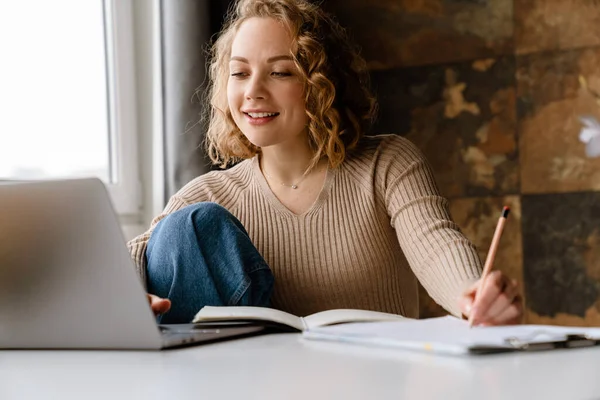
{"x":259,"y":117}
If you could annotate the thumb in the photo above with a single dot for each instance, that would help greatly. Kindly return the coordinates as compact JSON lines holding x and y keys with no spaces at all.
{"x":466,"y":300}
{"x":471,"y":288}
{"x":465,"y":304}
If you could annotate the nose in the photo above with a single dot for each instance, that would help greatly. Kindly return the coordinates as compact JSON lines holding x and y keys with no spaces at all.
{"x":256,"y":88}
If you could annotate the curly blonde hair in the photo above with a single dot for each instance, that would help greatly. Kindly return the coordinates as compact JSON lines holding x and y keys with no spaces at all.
{"x":339,"y":103}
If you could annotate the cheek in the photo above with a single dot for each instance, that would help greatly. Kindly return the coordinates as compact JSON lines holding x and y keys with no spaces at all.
{"x":230,"y":96}
{"x":235,"y":95}
{"x":295,"y":98}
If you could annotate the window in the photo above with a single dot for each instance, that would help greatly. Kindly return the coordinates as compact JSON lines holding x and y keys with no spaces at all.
{"x":68,"y":94}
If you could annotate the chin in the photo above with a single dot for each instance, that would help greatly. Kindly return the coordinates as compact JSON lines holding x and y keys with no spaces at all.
{"x":259,"y":140}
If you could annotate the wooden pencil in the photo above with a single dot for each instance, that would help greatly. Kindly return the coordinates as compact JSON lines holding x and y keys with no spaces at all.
{"x":489,"y":261}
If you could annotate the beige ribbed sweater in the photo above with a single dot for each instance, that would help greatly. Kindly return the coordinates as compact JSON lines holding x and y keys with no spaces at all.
{"x":378,"y":222}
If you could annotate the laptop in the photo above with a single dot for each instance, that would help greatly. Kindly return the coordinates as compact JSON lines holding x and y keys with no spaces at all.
{"x":67,"y":280}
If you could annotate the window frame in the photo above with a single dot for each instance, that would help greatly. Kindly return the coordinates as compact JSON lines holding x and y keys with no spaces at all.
{"x":126,"y":192}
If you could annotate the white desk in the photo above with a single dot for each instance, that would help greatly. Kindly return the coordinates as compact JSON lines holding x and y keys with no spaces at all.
{"x":286,"y":367}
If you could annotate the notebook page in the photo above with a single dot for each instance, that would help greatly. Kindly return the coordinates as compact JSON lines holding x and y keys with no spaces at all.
{"x":223,"y":313}
{"x":331,"y":317}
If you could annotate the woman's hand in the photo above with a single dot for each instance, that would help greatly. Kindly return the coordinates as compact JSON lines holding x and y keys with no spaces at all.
{"x":497,"y":302}
{"x":159,"y":305}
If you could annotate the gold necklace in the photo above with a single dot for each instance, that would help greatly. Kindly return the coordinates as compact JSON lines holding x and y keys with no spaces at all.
{"x":293,"y":185}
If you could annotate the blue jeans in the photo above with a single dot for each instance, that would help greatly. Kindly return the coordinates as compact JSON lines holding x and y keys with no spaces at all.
{"x":202,"y":255}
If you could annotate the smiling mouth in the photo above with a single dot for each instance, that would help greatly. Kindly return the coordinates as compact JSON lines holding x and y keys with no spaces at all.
{"x":259,"y":115}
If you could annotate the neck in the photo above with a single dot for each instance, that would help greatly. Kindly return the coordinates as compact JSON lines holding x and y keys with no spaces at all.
{"x":286,"y":163}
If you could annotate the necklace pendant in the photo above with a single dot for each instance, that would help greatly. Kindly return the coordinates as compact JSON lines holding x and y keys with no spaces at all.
{"x":294,"y":186}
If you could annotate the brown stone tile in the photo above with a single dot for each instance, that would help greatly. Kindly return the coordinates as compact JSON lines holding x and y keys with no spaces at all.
{"x":477,"y":218}
{"x":542,"y":25}
{"x":554,"y":91}
{"x":462,"y":116}
{"x":590,"y":318}
{"x":394,"y":33}
{"x":561,"y":242}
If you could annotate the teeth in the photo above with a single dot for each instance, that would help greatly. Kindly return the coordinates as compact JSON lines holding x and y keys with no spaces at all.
{"x":261,"y":115}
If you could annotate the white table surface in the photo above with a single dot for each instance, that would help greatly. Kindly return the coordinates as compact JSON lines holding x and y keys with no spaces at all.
{"x":284,"y":366}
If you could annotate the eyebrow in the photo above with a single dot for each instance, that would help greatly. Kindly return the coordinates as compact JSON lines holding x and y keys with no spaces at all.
{"x":269,"y":60}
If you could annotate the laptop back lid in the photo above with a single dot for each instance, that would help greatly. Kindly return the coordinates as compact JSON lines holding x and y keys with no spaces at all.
{"x":66,"y":277}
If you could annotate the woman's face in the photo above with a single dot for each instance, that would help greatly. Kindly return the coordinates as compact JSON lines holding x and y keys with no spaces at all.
{"x":264,"y":89}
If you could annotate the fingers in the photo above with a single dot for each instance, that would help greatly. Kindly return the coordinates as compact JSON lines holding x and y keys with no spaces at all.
{"x":486,"y":295}
{"x":159,"y":305}
{"x":509,"y":316}
{"x":500,"y":302}
{"x":504,"y":299}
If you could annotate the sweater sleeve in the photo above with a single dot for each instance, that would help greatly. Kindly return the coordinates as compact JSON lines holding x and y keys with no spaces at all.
{"x":441,"y":257}
{"x":137,"y":246}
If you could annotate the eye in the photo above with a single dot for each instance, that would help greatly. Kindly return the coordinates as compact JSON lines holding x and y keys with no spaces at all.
{"x":239,"y":74}
{"x":281,"y":74}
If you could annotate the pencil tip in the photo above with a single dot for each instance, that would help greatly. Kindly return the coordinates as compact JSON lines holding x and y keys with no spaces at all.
{"x":505,"y":211}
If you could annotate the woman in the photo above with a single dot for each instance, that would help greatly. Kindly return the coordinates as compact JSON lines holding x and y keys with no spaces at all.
{"x":336,"y":219}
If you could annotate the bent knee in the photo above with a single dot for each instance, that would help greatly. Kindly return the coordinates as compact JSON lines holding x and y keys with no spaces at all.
{"x":207,"y":210}
{"x":198,"y":216}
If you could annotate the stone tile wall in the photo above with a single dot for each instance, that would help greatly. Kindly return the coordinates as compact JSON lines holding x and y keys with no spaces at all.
{"x":492,"y":92}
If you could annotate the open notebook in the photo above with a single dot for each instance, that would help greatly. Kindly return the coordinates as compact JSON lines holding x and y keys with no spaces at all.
{"x":287,"y":321}
{"x":450,"y":335}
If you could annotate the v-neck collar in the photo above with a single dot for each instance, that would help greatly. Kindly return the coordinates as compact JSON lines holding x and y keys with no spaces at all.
{"x":278,"y":205}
